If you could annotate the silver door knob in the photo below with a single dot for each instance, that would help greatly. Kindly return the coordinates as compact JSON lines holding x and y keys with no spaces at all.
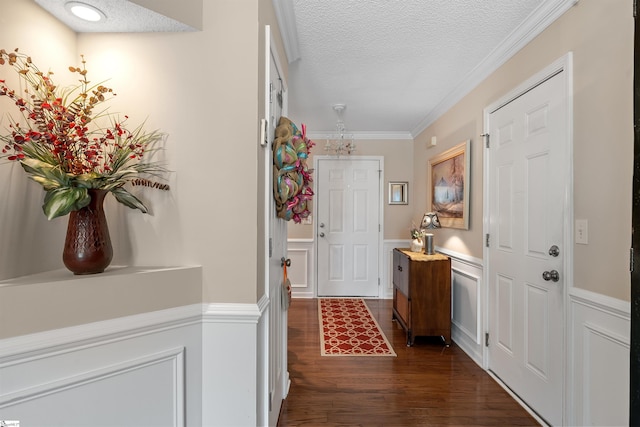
{"x":322,"y":225}
{"x":321,"y":234}
{"x":552,"y":275}
{"x":554,"y":251}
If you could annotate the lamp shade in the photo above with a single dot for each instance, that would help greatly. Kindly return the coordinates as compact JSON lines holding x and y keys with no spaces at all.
{"x":430,"y":220}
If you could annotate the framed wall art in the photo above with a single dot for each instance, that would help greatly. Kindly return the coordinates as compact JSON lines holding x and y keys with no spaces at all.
{"x":449,"y":175}
{"x":398,"y":193}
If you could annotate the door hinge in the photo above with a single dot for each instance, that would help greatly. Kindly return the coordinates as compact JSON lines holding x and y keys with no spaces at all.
{"x":485,"y":137}
{"x":378,"y":281}
{"x":486,"y":240}
{"x":379,"y":228}
{"x":270,"y":93}
{"x":635,"y":8}
{"x":270,"y":247}
{"x":486,"y":339}
{"x":631,"y":260}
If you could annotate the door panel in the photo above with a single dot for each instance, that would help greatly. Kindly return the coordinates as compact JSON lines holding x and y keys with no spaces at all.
{"x":527,"y":207}
{"x":278,"y":377}
{"x":537,"y":318}
{"x":336,"y":207}
{"x":505,"y":313}
{"x":348,"y":226}
{"x":336,"y":262}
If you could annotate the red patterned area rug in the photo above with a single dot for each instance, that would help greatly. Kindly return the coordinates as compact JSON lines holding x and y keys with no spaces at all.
{"x":347,"y":328}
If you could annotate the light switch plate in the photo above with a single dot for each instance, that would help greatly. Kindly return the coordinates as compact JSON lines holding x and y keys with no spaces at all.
{"x":308,"y":220}
{"x":582,"y":232}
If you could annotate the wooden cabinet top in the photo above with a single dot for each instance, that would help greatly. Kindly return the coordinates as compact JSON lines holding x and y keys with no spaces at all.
{"x":420,"y":256}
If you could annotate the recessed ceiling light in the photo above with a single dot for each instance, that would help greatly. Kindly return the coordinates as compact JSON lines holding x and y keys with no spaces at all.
{"x":85,"y":11}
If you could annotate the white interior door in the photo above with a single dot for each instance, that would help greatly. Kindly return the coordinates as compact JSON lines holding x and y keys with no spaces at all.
{"x":348,"y":226}
{"x":529,"y":199}
{"x":278,"y":377}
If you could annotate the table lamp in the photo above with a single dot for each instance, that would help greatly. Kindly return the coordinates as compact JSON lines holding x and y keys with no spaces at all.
{"x":429,"y":221}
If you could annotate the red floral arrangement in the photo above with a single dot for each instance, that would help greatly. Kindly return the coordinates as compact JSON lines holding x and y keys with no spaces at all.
{"x":66,"y":146}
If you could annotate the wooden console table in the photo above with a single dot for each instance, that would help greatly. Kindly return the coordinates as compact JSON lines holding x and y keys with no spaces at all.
{"x":422,"y":294}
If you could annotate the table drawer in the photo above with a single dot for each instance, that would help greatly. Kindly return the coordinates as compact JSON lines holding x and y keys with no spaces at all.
{"x":401,"y":271}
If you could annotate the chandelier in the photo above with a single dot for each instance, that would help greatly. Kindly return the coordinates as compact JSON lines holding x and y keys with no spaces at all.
{"x":341,"y":143}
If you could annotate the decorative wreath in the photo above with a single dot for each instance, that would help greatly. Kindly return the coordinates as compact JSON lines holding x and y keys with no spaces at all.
{"x":291,"y":176}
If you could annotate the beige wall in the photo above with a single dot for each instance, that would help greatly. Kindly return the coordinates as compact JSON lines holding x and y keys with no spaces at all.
{"x":397,"y":167}
{"x":200,"y":88}
{"x":204,"y":90}
{"x":600,"y":35}
{"x":29,"y":243}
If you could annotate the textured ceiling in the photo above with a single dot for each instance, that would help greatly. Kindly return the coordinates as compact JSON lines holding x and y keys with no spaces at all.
{"x":397,"y":63}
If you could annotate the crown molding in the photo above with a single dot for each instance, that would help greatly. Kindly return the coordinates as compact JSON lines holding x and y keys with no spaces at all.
{"x":286,"y":17}
{"x":362,"y":135}
{"x":537,"y":22}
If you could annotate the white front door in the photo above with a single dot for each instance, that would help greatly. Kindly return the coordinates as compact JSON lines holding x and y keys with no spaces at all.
{"x":528,"y":200}
{"x":348,"y":226}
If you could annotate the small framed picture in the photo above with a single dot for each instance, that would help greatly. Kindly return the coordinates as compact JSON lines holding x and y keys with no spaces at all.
{"x":398,"y":193}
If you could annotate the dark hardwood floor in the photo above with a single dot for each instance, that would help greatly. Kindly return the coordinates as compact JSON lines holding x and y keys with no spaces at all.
{"x":427,"y":384}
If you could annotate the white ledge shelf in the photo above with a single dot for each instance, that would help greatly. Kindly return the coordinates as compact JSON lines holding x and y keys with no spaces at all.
{"x":59,"y":299}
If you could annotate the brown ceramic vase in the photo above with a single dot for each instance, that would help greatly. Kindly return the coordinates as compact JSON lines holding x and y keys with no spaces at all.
{"x":87,"y":247}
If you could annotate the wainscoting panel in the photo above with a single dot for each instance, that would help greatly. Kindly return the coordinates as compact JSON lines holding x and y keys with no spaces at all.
{"x":598,"y":360}
{"x":387,"y":265}
{"x":137,"y":378}
{"x":301,"y":273}
{"x":466,"y":319}
{"x":146,"y":391}
{"x":467,"y":290}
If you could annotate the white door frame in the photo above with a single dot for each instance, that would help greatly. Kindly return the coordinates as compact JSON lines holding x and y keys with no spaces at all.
{"x":316,"y":165}
{"x":268,"y":404}
{"x":562,"y":65}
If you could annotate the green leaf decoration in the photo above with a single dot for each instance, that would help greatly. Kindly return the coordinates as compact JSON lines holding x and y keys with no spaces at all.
{"x":61,"y":201}
{"x":88,"y":180}
{"x":49,"y":176}
{"x":46,"y":183}
{"x":128,"y":199}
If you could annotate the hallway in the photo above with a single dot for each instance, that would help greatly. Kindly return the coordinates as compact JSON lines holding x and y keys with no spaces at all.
{"x":427,"y":384}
